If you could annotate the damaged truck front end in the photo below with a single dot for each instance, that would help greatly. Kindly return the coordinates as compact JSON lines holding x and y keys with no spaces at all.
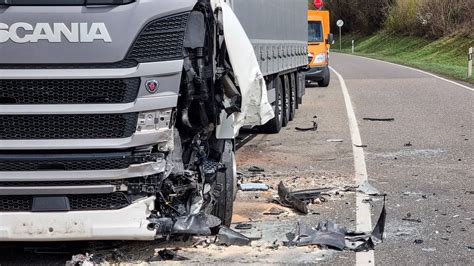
{"x":116,"y":138}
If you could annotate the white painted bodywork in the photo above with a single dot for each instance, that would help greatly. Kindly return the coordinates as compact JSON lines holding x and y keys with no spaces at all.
{"x":129,"y":223}
{"x":256,"y":110}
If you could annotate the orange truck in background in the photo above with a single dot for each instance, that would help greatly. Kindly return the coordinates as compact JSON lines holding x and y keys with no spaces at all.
{"x":319,"y":41}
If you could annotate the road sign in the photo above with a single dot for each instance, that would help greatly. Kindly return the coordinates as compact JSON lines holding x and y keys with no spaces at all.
{"x":340,"y":23}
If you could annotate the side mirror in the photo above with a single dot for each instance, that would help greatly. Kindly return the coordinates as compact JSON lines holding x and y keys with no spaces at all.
{"x":330,"y":39}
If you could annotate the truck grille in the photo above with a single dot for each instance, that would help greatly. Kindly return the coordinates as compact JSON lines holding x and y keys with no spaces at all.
{"x":81,"y":202}
{"x":65,"y":165}
{"x":160,"y":40}
{"x":69,"y":91}
{"x":77,"y":126}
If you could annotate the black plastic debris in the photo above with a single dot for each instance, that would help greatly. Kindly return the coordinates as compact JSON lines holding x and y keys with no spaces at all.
{"x":198,"y":224}
{"x":408,"y":144}
{"x":313,"y":128}
{"x":326,"y":234}
{"x":167,"y":254}
{"x":256,"y":169}
{"x":309,"y":194}
{"x":360,"y":242}
{"x":379,"y":119}
{"x":229,"y":237}
{"x":360,"y":145}
{"x":243,"y":226}
{"x":289,"y":200}
{"x":253,"y":187}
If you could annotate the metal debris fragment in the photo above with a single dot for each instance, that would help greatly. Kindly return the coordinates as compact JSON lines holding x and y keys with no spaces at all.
{"x":368,"y":189}
{"x":289,"y":200}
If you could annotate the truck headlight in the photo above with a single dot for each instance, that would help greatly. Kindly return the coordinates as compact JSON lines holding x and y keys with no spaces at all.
{"x":320,"y":58}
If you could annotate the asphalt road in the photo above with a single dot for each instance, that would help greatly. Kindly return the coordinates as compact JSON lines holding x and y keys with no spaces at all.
{"x":431,"y":179}
{"x":423,"y":160}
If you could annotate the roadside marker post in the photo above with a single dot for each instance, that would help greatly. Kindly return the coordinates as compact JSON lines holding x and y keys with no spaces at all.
{"x":340,"y":23}
{"x":469,"y":63}
{"x":352,"y":46}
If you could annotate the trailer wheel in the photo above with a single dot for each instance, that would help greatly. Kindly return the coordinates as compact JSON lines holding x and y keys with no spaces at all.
{"x":286,"y":100}
{"x":227,"y":181}
{"x":274,"y":125}
{"x":293,"y":97}
{"x":325,"y":81}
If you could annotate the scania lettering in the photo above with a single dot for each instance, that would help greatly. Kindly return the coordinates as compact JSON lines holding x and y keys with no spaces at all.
{"x":22,"y":32}
{"x":118,"y":118}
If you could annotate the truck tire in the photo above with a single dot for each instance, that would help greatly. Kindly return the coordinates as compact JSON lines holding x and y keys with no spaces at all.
{"x":286,"y":100}
{"x":227,"y":180}
{"x":325,"y":81}
{"x":293,"y":96}
{"x":274,"y":125}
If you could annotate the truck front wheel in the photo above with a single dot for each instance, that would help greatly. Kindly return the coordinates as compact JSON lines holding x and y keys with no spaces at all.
{"x":227,"y":183}
{"x":327,"y":77}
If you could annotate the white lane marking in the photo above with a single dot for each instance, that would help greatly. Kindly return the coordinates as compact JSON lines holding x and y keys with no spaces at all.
{"x":363,"y":215}
{"x":418,"y":70}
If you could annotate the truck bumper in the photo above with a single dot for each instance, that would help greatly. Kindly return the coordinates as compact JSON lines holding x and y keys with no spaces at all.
{"x":317,"y":73}
{"x":129,"y":223}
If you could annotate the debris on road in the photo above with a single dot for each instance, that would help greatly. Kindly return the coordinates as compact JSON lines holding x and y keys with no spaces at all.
{"x":256,"y":169}
{"x":379,"y":119}
{"x":253,"y":187}
{"x":229,"y":237}
{"x":287,"y":199}
{"x":274,"y":211}
{"x":243,"y":226}
{"x":167,"y":254}
{"x":418,"y":241}
{"x":335,"y":140}
{"x":368,"y":189}
{"x":408,"y":144}
{"x":408,"y":218}
{"x":313,"y":128}
{"x":429,"y":249}
{"x":360,"y":145}
{"x":80,"y":259}
{"x":325,"y":234}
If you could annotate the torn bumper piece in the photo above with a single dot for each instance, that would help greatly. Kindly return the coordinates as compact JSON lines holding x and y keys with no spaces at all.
{"x":129,"y":223}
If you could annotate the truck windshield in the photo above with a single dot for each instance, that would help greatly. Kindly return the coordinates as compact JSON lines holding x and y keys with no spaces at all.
{"x":315,"y":31}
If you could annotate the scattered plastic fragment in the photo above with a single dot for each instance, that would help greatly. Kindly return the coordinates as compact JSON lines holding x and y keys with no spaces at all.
{"x":408,"y":144}
{"x":368,"y":189}
{"x":335,"y":140}
{"x":167,"y":254}
{"x":253,"y":187}
{"x":229,"y":237}
{"x":274,"y":211}
{"x":313,"y":128}
{"x":429,"y":249}
{"x":379,"y":119}
{"x":325,"y":234}
{"x":418,"y":241}
{"x":360,"y":145}
{"x":243,"y":226}
{"x":256,"y":169}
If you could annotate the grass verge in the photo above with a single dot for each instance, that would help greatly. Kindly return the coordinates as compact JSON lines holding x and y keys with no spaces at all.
{"x":446,"y":56}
